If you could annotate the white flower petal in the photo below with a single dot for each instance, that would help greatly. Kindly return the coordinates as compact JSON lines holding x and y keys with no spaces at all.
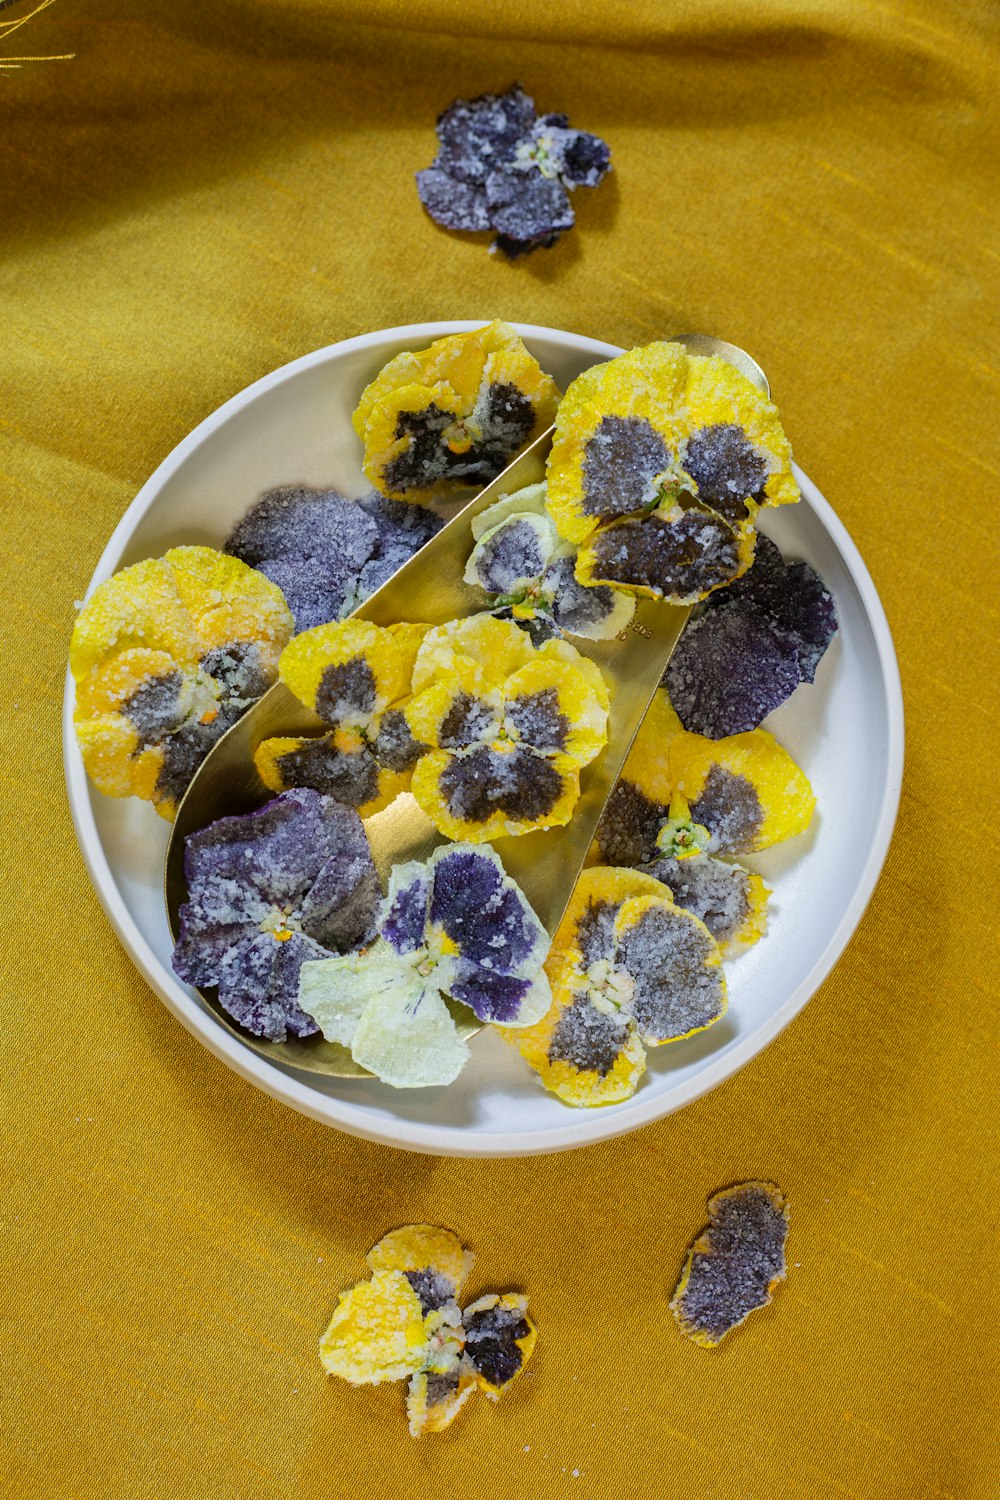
{"x":407,"y":1037}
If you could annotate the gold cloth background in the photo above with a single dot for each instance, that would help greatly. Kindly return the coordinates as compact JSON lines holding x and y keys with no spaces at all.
{"x":206,"y":192}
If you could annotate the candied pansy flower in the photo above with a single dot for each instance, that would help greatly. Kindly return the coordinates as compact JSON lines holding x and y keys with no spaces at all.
{"x":520,"y":559}
{"x":745,"y":790}
{"x":640,"y":799}
{"x":730,"y":900}
{"x":660,"y":462}
{"x":499,"y":167}
{"x":629,"y":970}
{"x":455,"y":926}
{"x":509,"y":729}
{"x":325,"y":553}
{"x":166,"y":656}
{"x":267,"y":891}
{"x":747,"y":647}
{"x":735,"y":1264}
{"x":406,"y":1323}
{"x":454,"y":414}
{"x":356,"y":677}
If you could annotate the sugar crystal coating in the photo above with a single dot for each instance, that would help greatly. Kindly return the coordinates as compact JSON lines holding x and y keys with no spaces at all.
{"x":405,"y":1323}
{"x":749,"y":646}
{"x":452,"y":415}
{"x":726,"y":897}
{"x":500,"y":167}
{"x":326,"y":553}
{"x":267,"y":892}
{"x":628,"y":969}
{"x":166,"y":656}
{"x":735,"y":1264}
{"x":453,"y":926}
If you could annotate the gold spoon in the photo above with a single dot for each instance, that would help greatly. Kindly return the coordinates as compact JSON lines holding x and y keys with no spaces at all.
{"x":430,"y":588}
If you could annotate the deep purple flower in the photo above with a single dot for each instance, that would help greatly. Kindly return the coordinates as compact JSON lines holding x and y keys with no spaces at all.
{"x":268,"y":891}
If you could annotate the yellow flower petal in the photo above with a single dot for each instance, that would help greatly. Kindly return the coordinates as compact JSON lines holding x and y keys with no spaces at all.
{"x":348,"y":671}
{"x":745,"y":789}
{"x":496,"y":647}
{"x":467,"y":796}
{"x":424,"y":1248}
{"x":552,"y":706}
{"x":434,"y":1401}
{"x":376,"y":1332}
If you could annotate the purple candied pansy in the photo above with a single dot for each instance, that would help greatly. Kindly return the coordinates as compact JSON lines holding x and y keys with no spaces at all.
{"x":326,"y":553}
{"x":457,"y":928}
{"x":501,"y":167}
{"x":268,"y":891}
{"x":747,"y":647}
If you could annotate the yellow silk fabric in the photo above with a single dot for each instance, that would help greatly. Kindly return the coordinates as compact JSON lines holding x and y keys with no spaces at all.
{"x":207,"y":191}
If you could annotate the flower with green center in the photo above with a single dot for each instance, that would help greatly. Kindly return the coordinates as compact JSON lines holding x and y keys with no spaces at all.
{"x":356,"y":677}
{"x":457,"y":928}
{"x":406,"y":1323}
{"x":521,"y":560}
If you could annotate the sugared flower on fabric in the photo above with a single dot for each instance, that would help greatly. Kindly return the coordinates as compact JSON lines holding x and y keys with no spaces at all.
{"x":405,"y":1323}
{"x":325,"y":553}
{"x":521,"y":560}
{"x":356,"y":677}
{"x":453,"y":415}
{"x":510,"y":726}
{"x":735,"y":1264}
{"x":748,"y":646}
{"x":629,"y":970}
{"x":456,"y":926}
{"x":660,"y":462}
{"x":500,"y":167}
{"x":166,"y":656}
{"x":267,"y":891}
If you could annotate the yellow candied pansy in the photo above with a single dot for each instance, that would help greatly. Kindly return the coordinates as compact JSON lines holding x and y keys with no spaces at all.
{"x":660,"y":462}
{"x":356,"y":677}
{"x":406,"y":1321}
{"x":628,"y":969}
{"x":647,"y":764}
{"x":454,"y":414}
{"x":505,"y":750}
{"x":745,"y":789}
{"x":166,"y":655}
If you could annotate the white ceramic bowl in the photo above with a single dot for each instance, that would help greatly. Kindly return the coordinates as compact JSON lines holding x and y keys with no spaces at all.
{"x":846,"y":732}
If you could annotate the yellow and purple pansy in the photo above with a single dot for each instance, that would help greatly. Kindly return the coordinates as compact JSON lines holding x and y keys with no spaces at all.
{"x":453,"y":928}
{"x":453,"y":415}
{"x":405,"y":1323}
{"x":509,"y":726}
{"x":660,"y":462}
{"x":356,"y":677}
{"x":166,"y":655}
{"x":629,"y":969}
{"x":521,"y":560}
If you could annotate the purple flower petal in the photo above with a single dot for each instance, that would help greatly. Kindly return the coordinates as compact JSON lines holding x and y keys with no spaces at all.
{"x":452,"y":203}
{"x":339,"y":910}
{"x":492,"y":996}
{"x":487,"y":917}
{"x":479,"y":134}
{"x":276,"y":850}
{"x":525,"y":206}
{"x":404,"y":924}
{"x":259,"y":985}
{"x":750,"y":645}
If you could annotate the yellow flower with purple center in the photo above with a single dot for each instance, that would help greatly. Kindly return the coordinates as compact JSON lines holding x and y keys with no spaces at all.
{"x":405,"y":1323}
{"x":510,"y":726}
{"x":356,"y":677}
{"x":454,"y":414}
{"x":629,"y":969}
{"x":166,"y":655}
{"x":660,"y":462}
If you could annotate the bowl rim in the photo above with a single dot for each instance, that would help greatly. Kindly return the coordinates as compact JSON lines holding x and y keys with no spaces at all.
{"x":584,"y":1127}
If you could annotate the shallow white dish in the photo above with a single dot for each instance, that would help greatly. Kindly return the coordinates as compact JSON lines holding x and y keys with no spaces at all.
{"x":846,"y":732}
